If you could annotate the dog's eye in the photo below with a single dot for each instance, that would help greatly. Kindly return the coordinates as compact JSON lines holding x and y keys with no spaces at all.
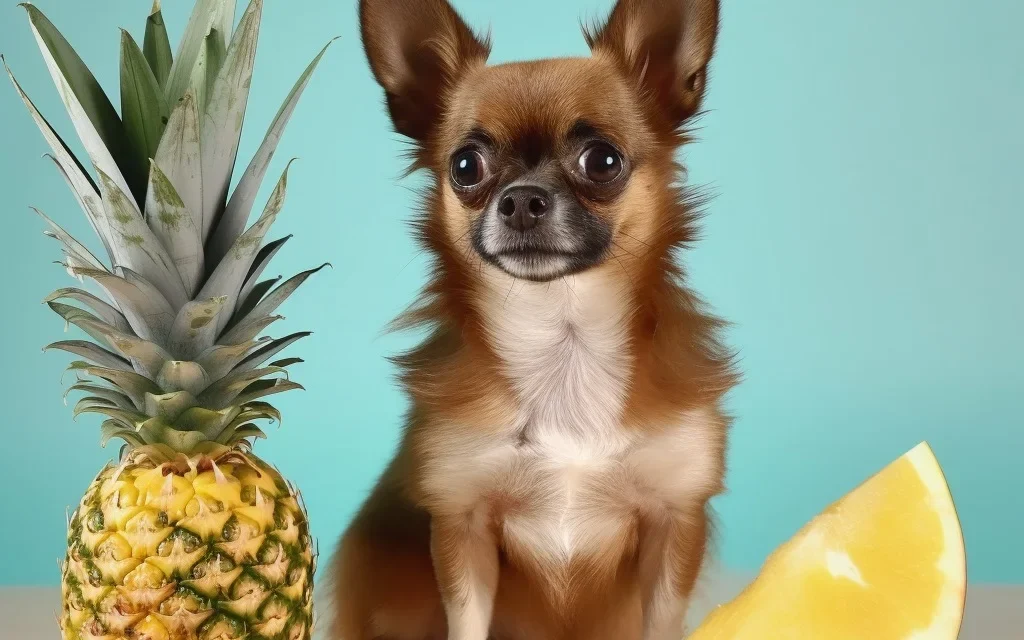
{"x":601,"y":163}
{"x":468,"y":168}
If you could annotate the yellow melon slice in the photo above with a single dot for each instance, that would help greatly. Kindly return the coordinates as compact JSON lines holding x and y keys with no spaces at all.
{"x":886,"y":562}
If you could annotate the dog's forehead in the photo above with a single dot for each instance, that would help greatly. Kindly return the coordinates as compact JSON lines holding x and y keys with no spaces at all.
{"x":545,"y":98}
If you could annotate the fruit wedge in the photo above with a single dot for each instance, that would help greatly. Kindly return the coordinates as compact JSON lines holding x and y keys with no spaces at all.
{"x":886,"y":562}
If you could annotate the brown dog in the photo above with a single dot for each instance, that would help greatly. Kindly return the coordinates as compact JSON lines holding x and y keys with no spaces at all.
{"x":566,"y":431}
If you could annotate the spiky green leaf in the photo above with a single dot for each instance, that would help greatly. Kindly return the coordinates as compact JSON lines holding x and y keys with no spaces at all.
{"x":259,"y":265}
{"x":264,"y":353}
{"x":176,"y":440}
{"x":82,"y":186}
{"x":264,"y":409}
{"x":205,"y":16}
{"x":178,"y":375}
{"x":126,"y":418}
{"x":90,"y":324}
{"x":180,"y":156}
{"x":209,"y":421}
{"x":264,"y":388}
{"x":94,"y":117}
{"x":146,"y":357}
{"x":195,"y":328}
{"x":145,"y":308}
{"x":220,"y":359}
{"x":199,"y":82}
{"x":72,"y":248}
{"x":106,"y":312}
{"x":112,"y":429}
{"x":214,"y":55}
{"x":143,"y":107}
{"x":136,"y":246}
{"x":93,"y":353}
{"x":254,"y":411}
{"x":92,"y":206}
{"x":157,"y":47}
{"x":231,"y":437}
{"x":169,"y":406}
{"x":225,"y":113}
{"x":133,"y":385}
{"x":222,"y":393}
{"x":112,"y":396}
{"x":270,"y":304}
{"x":172,"y":223}
{"x":246,"y":305}
{"x":243,"y":198}
{"x":92,"y":401}
{"x":224,"y":23}
{"x":249,"y":331}
{"x":227,"y":278}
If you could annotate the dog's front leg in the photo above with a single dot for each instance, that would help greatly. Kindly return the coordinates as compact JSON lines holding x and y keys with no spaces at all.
{"x":671,"y":554}
{"x":465,"y":555}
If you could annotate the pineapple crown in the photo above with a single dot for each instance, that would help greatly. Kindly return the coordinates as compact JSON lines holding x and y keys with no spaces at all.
{"x":176,"y":359}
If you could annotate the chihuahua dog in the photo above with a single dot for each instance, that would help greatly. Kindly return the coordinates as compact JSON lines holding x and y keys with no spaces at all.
{"x":566,"y":430}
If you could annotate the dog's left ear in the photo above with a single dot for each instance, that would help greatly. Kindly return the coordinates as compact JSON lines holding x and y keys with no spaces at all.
{"x":665,"y":47}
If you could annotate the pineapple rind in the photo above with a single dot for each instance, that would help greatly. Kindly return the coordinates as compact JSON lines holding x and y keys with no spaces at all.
{"x":188,"y":549}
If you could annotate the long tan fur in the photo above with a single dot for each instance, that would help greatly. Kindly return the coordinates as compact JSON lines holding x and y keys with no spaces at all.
{"x":565,"y":436}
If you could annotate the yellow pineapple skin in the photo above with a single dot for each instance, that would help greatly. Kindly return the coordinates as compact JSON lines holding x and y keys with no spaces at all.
{"x":192,"y":548}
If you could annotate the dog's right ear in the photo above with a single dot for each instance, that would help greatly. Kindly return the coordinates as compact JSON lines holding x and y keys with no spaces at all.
{"x":417,"y":49}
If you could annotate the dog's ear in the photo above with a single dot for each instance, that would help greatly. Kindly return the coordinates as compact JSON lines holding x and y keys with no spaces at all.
{"x":665,"y":47}
{"x":417,"y":49}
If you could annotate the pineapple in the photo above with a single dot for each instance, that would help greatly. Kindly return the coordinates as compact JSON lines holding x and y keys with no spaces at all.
{"x":187,"y":534}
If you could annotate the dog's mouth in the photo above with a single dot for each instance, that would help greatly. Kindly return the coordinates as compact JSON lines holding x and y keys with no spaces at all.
{"x":538,"y":265}
{"x":541,"y":264}
{"x":527,"y":253}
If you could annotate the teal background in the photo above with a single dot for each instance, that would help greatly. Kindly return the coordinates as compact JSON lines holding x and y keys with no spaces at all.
{"x":865,"y":239}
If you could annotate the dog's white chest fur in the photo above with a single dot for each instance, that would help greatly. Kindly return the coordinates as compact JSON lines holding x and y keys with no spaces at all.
{"x":564,"y":347}
{"x":573,"y":478}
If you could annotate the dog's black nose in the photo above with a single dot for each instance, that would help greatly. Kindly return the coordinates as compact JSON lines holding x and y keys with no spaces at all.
{"x":523,"y":207}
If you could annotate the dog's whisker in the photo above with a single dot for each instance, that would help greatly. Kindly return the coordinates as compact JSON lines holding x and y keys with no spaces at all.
{"x":634,"y":238}
{"x":503,"y":304}
{"x":633,"y":255}
{"x":413,"y":259}
{"x":421,"y":252}
{"x":572,"y":289}
{"x":624,"y":270}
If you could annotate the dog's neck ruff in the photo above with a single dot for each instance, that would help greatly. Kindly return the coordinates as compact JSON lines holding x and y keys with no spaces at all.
{"x":564,"y":347}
